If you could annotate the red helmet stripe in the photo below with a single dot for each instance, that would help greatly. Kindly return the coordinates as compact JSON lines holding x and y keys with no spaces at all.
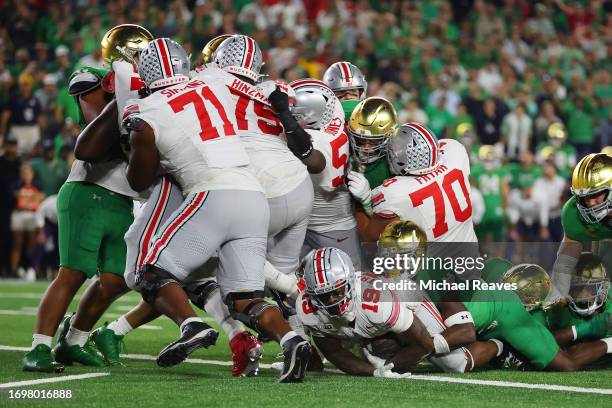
{"x":319,"y":267}
{"x":430,"y":140}
{"x":346,"y":71}
{"x":164,"y":55}
{"x":305,"y":82}
{"x":250,"y":51}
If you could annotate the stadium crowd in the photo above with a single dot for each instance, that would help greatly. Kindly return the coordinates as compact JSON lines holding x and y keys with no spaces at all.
{"x":532,"y":79}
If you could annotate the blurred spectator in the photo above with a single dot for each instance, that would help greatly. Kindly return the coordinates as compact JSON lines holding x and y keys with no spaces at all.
{"x":489,"y":77}
{"x":50,"y":171}
{"x":9,"y":174}
{"x":516,"y":132}
{"x":488,"y":123}
{"x":551,"y":188}
{"x":528,"y":214}
{"x":23,"y":219}
{"x":451,"y":97}
{"x":580,"y":125}
{"x":545,"y":118}
{"x":524,"y":173}
{"x":439,"y":118}
{"x":413,"y":113}
{"x":22,"y":117}
{"x":62,"y":66}
{"x":46,"y":258}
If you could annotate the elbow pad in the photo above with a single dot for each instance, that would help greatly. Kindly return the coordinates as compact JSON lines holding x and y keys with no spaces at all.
{"x":298,"y":140}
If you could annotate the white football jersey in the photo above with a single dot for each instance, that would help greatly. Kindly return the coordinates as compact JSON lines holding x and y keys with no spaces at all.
{"x":377,"y":312}
{"x":276,"y":168}
{"x":332,"y":207}
{"x":439,"y":202}
{"x":196,"y":136}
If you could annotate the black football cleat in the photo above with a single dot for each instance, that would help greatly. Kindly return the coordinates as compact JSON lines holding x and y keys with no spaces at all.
{"x":297,"y":353}
{"x":194,"y":336}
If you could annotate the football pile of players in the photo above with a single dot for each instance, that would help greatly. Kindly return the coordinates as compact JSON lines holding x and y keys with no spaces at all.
{"x":250,"y":189}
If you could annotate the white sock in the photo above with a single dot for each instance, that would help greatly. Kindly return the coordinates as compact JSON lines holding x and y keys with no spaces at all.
{"x":608,"y":341}
{"x":218,"y":310}
{"x":41,"y":339}
{"x":76,"y":336}
{"x":190,"y":320}
{"x":289,"y":335}
{"x":500,"y":346}
{"x":277,"y":280}
{"x":121,"y":326}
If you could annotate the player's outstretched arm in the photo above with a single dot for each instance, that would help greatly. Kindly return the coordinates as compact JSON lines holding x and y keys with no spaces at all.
{"x":144,"y":156}
{"x":100,"y":136}
{"x":416,"y":343}
{"x":343,"y":359}
{"x":370,"y":228}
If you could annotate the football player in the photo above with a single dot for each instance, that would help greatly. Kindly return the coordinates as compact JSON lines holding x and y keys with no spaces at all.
{"x":332,"y":223}
{"x":557,"y":150}
{"x":492,"y":180}
{"x":371,"y":124}
{"x":212,"y":167}
{"x":94,"y":212}
{"x":203,"y":291}
{"x":585,"y":217}
{"x":280,"y":151}
{"x":588,"y":316}
{"x":348,"y":83}
{"x":338,"y":310}
{"x":430,"y":187}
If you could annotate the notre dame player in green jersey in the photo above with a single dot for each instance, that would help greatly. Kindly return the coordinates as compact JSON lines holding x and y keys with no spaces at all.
{"x":556,"y":149}
{"x":94,"y":212}
{"x":585,"y":218}
{"x":492,"y":180}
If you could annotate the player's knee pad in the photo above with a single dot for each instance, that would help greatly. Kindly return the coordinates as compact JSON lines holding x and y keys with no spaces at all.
{"x":252,"y":312}
{"x":199,"y":295}
{"x":150,"y":279}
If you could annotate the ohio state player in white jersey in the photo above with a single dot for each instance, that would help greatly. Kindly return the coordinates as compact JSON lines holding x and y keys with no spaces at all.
{"x":339,"y":308}
{"x":430,"y":187}
{"x":332,"y":222}
{"x":184,"y":128}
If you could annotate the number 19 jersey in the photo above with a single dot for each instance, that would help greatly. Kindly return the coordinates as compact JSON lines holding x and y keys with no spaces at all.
{"x":439,"y":202}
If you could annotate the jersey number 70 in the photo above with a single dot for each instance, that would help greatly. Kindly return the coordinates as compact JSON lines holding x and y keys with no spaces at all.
{"x":434,"y":191}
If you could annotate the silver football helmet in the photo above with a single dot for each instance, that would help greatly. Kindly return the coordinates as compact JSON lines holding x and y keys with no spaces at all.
{"x":162,"y":63}
{"x":239,"y":55}
{"x":343,"y":76}
{"x":414,"y":150}
{"x":330,"y":281}
{"x":315,"y":103}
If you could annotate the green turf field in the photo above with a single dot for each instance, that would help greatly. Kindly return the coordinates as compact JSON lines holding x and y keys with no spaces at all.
{"x":208,"y":383}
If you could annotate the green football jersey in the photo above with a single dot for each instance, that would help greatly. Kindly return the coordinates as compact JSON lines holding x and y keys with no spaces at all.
{"x":348,"y":106}
{"x":576,"y":228}
{"x":489,"y":183}
{"x":521,"y":177}
{"x":566,"y":317}
{"x":376,"y":172}
{"x":564,"y":158}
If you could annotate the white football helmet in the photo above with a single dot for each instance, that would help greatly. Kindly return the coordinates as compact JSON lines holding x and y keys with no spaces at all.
{"x":163,"y":63}
{"x":315,"y":103}
{"x":330,"y":281}
{"x":239,"y":55}
{"x":343,"y":76}
{"x":414,"y":150}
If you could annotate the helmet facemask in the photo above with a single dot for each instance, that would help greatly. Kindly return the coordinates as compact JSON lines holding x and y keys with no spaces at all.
{"x":598,"y":212}
{"x":368,"y":149}
{"x":334,"y":301}
{"x":588,"y":295}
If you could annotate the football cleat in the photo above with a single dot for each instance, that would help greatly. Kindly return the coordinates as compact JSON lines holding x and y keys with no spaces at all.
{"x":296,"y":353}
{"x":109,"y":344}
{"x":246,"y":352}
{"x":40,"y":359}
{"x":194,"y":336}
{"x":69,"y":354}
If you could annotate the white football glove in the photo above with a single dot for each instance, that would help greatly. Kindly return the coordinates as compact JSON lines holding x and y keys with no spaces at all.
{"x":385,"y":372}
{"x":376,"y":362}
{"x":269,"y":86}
{"x":359,"y":186}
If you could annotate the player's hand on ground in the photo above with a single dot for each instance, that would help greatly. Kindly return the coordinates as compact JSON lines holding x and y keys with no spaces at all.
{"x":359,"y":186}
{"x":386,"y":372}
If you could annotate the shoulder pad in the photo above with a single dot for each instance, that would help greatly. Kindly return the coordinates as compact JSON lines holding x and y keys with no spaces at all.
{"x":83,"y":81}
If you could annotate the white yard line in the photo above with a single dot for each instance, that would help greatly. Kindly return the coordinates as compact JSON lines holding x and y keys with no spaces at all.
{"x":38,"y":296}
{"x":22,"y":312}
{"x":52,"y":380}
{"x":492,"y":383}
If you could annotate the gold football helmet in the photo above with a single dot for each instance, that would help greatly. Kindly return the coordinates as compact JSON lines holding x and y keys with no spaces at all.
{"x":372,"y":123}
{"x":124,"y":42}
{"x":532,"y":284}
{"x":402,"y":237}
{"x":589,"y":286}
{"x":557,"y":135}
{"x":592,"y":176}
{"x":607,"y":150}
{"x":211,"y":46}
